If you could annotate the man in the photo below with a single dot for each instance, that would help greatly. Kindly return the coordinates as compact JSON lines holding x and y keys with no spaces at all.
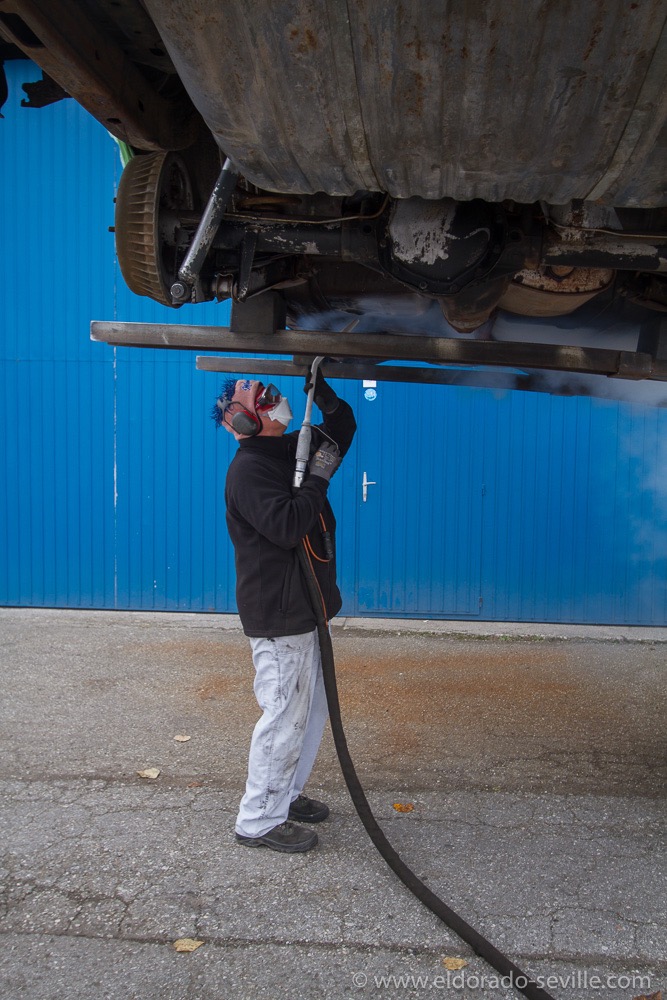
{"x":267,"y":521}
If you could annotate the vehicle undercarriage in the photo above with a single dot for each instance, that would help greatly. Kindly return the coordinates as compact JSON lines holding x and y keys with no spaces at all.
{"x":463,"y":185}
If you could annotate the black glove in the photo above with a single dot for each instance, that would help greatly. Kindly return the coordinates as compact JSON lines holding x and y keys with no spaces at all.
{"x":325,"y":461}
{"x":325,"y":398}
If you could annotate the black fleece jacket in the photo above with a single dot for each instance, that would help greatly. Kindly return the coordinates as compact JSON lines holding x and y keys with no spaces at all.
{"x":267,"y":519}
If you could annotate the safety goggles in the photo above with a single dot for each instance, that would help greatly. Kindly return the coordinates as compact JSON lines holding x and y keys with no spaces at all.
{"x":269,"y":397}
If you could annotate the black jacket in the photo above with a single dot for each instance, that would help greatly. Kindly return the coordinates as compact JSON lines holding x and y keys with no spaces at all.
{"x":267,"y":519}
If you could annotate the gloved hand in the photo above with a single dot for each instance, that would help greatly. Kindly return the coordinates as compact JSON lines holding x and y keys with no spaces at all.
{"x":325,"y":461}
{"x":325,"y":398}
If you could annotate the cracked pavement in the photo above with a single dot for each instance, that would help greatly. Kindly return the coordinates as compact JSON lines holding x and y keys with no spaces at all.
{"x":536,"y":768}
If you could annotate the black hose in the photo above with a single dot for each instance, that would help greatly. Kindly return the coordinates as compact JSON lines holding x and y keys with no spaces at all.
{"x":519,"y":979}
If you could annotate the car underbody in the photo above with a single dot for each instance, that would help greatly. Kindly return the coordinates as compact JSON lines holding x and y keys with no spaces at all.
{"x":477,"y":184}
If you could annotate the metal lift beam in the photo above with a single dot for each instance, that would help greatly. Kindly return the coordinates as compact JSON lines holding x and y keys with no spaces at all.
{"x":390,"y":346}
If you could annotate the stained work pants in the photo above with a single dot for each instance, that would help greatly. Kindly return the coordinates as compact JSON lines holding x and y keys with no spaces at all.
{"x":290,"y":692}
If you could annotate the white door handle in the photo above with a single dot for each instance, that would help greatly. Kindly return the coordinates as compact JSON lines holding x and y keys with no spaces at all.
{"x":365,"y":483}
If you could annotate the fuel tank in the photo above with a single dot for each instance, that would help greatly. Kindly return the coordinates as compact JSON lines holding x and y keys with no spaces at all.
{"x":551,"y":100}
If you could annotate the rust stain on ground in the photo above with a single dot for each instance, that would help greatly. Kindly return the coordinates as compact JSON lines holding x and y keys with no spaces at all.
{"x":411,"y":688}
{"x":211,"y":669}
{"x":171,"y":647}
{"x":203,"y":652}
{"x":520,"y":716}
{"x":217,"y":686}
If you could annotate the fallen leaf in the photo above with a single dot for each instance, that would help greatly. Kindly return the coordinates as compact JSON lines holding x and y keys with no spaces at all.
{"x":454,"y":964}
{"x":187,"y":944}
{"x":653,"y":996}
{"x":196,"y":784}
{"x":182,"y":739}
{"x":150,"y":772}
{"x":403,"y":807}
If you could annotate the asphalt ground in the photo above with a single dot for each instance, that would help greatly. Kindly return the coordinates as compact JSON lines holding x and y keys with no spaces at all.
{"x":533,"y":758}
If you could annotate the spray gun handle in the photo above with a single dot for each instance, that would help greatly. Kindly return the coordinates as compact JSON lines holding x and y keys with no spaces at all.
{"x":303,"y":442}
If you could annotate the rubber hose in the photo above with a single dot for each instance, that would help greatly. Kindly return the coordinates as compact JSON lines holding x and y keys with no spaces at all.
{"x":479,"y":944}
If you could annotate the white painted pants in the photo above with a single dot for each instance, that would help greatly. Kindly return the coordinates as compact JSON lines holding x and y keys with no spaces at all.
{"x":290,"y":691}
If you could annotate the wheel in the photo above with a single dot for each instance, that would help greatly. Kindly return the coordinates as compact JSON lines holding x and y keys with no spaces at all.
{"x":152,"y":186}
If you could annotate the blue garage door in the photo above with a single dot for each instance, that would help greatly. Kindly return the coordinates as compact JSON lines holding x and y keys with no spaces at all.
{"x":505,"y":506}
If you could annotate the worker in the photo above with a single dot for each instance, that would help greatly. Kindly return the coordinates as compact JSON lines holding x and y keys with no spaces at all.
{"x":267,"y":521}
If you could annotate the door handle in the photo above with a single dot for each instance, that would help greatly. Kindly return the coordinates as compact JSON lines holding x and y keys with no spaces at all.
{"x":365,"y":483}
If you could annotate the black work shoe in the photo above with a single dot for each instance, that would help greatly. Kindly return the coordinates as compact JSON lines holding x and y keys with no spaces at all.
{"x":307,"y":810}
{"x":288,"y":838}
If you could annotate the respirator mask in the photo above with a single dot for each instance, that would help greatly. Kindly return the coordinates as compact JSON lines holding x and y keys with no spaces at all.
{"x":274,"y":405}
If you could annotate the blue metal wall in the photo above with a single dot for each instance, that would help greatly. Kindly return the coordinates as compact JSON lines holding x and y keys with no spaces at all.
{"x":505,"y":506}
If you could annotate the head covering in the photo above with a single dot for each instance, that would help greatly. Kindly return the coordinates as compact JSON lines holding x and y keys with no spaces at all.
{"x":241,"y":397}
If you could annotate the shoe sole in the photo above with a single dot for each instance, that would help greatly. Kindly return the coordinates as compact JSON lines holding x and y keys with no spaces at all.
{"x":280,"y":848}
{"x":310,"y":818}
